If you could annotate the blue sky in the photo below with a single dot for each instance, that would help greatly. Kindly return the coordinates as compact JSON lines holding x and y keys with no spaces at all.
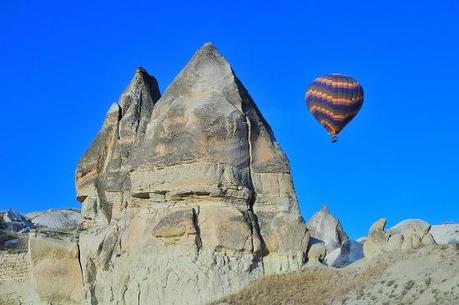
{"x":63,"y":64}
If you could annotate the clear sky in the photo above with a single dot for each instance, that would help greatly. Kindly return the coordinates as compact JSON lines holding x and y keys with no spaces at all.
{"x":62,"y":63}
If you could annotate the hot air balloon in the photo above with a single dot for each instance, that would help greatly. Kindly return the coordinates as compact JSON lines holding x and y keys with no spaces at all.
{"x":334,"y":100}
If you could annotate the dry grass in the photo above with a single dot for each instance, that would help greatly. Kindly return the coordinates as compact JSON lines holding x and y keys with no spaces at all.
{"x":311,"y":286}
{"x":424,"y":276}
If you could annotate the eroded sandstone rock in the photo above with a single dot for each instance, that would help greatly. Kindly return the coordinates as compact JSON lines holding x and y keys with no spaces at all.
{"x":188,"y":197}
{"x":102,"y":172}
{"x":327,"y":228}
{"x":56,"y":270}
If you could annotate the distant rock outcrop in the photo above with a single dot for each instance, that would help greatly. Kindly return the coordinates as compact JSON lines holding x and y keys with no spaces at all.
{"x":327,"y":228}
{"x":56,"y":219}
{"x":407,"y":235}
{"x":15,"y":222}
{"x":186,"y":197}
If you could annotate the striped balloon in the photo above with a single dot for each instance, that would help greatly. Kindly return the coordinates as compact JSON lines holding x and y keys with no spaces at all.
{"x":334,"y":100}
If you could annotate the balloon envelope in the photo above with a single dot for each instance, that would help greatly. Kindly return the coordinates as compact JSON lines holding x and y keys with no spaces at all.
{"x":334,"y":100}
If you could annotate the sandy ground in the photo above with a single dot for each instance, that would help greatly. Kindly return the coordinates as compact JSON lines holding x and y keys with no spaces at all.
{"x":427,"y":276}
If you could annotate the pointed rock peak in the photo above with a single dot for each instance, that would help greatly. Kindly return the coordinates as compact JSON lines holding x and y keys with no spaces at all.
{"x":208,"y":49}
{"x":326,"y":227}
{"x":142,"y":77}
{"x":378,"y":225}
{"x":143,"y":91}
{"x":206,"y":74}
{"x":208,"y":45}
{"x":208,"y":53}
{"x":141,"y":70}
{"x":124,"y":126}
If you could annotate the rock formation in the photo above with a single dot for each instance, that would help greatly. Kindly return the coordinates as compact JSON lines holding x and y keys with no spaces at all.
{"x":186,"y":197}
{"x":407,"y":235}
{"x":327,"y":228}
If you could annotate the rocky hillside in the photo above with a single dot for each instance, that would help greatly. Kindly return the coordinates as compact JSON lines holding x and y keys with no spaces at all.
{"x":428,"y":276}
{"x":402,"y":265}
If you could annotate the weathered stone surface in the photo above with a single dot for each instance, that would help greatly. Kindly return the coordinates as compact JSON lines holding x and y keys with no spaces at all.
{"x":187,"y":198}
{"x":167,"y":265}
{"x":56,"y":270}
{"x":176,"y":225}
{"x":284,"y":241}
{"x":327,"y":228}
